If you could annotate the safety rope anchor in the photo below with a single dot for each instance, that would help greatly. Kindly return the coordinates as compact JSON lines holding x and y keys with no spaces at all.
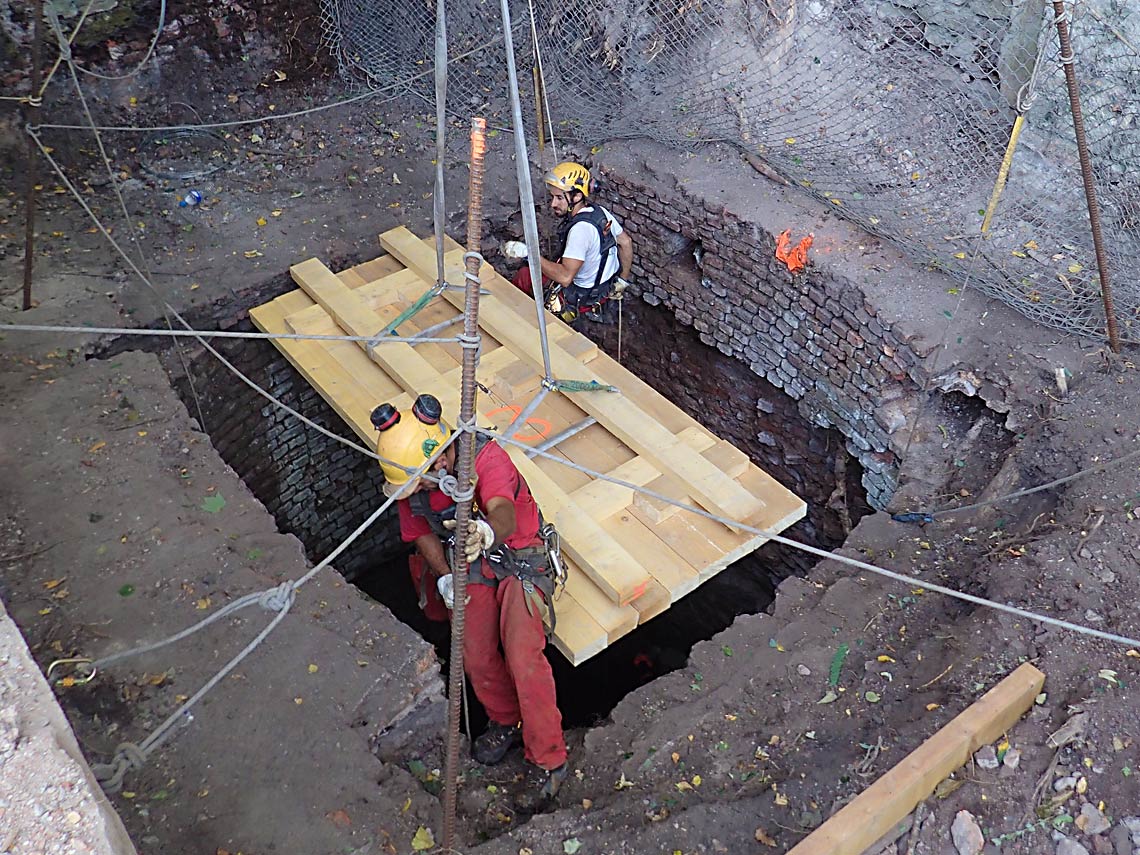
{"x":70,"y":680}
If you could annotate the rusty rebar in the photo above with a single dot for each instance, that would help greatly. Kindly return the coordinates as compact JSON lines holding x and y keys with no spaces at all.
{"x":466,"y":469}
{"x":1068,"y":62}
{"x":29,"y":111}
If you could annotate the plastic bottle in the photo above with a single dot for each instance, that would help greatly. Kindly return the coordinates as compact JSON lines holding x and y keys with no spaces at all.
{"x":191,"y":200}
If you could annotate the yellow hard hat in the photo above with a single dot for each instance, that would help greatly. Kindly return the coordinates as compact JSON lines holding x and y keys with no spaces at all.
{"x":568,"y":176}
{"x":407,"y":439}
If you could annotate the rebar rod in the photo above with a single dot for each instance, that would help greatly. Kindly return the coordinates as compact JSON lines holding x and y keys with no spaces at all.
{"x":1068,"y":62}
{"x":30,"y":119}
{"x":464,"y":475}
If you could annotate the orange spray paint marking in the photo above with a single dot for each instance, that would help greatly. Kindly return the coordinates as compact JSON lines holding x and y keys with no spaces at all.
{"x":796,"y":257}
{"x":539,"y":428}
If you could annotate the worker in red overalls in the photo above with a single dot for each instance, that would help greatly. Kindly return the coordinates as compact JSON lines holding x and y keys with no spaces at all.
{"x":510,"y":583}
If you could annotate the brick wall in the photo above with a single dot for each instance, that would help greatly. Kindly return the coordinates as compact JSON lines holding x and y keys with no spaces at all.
{"x":316,"y":488}
{"x":812,"y":335}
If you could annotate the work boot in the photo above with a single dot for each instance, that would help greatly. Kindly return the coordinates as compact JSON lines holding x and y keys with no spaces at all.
{"x":494,"y":743}
{"x":541,"y":786}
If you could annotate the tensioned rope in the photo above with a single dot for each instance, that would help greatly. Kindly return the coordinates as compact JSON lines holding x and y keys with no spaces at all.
{"x":194,"y":333}
{"x":821,"y":553}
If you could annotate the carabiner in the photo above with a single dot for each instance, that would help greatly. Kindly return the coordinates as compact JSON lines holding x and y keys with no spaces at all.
{"x":68,"y":682}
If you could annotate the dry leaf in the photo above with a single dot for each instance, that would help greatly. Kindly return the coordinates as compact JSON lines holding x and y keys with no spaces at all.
{"x":52,"y":584}
{"x":100,"y":444}
{"x":764,"y":837}
{"x":203,"y":603}
{"x":253,"y":253}
{"x":339,"y":818}
{"x":261,"y":221}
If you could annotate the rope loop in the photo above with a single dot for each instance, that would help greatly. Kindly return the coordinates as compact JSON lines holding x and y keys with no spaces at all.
{"x":34,"y":100}
{"x":467,"y":256}
{"x":110,"y":775}
{"x":468,"y":342}
{"x":278,"y":599}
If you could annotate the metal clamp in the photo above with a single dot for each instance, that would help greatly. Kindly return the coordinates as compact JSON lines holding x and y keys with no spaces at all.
{"x":69,"y":681}
{"x":550,"y":538}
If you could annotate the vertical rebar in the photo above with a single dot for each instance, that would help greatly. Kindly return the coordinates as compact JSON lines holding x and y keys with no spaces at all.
{"x":440,"y":133}
{"x":29,"y":112}
{"x":465,"y":470}
{"x":1068,"y":62}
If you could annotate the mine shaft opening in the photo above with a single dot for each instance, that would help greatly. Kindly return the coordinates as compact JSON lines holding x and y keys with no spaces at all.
{"x":320,"y":490}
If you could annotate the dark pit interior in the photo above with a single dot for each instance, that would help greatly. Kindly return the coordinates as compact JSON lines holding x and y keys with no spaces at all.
{"x":320,"y":490}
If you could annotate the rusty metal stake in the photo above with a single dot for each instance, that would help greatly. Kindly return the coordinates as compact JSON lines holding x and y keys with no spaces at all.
{"x":29,"y":113}
{"x":1068,"y":61}
{"x":466,"y":469}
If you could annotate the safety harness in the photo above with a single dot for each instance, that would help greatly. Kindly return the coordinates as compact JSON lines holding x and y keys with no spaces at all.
{"x":583,"y":300}
{"x":538,"y":567}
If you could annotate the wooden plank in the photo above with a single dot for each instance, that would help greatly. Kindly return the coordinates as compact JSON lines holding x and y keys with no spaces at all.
{"x":614,"y":619}
{"x":729,"y":459}
{"x":603,"y":559}
{"x":667,"y":566}
{"x":374,"y":295}
{"x":352,"y":402}
{"x":618,"y":413}
{"x":653,"y":602}
{"x":605,"y":498}
{"x":869,"y":815}
{"x":577,"y":635}
{"x":401,"y":361}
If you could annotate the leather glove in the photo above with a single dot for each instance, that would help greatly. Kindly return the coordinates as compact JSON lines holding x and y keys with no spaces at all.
{"x":480,"y":536}
{"x":513,"y":249}
{"x":619,"y":287}
{"x":446,"y":587}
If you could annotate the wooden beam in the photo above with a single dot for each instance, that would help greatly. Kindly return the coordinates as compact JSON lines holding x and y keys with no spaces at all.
{"x":883,"y":804}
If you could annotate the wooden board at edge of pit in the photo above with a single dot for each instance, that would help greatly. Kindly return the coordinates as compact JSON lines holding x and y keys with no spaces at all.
{"x":873,"y":812}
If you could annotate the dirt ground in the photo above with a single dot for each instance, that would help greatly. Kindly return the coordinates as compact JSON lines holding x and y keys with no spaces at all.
{"x":770,"y":726}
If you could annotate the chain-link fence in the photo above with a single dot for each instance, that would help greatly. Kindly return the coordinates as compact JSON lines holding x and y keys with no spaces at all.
{"x":896,"y":112}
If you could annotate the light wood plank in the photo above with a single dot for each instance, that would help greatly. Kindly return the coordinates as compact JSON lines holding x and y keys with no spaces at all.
{"x":616,"y":620}
{"x":667,"y":566}
{"x":576,"y":634}
{"x":654,"y":601}
{"x":604,"y":560}
{"x":618,"y":413}
{"x":873,"y":812}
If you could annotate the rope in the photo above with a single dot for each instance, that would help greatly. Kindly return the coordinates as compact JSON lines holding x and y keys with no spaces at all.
{"x":821,"y":553}
{"x":273,"y":117}
{"x":194,"y":333}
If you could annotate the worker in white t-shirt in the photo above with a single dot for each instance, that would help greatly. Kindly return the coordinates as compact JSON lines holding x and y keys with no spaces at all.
{"x":597,"y":253}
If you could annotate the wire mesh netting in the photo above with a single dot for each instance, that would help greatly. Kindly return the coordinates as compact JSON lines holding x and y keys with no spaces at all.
{"x":895,"y":112}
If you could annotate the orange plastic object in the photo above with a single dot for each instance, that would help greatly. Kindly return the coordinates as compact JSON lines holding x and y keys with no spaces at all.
{"x":796,"y":257}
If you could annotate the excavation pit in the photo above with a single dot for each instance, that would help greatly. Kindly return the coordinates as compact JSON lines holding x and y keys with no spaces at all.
{"x":320,"y":490}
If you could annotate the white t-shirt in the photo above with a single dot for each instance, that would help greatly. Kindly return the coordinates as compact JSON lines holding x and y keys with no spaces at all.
{"x":585,"y":243}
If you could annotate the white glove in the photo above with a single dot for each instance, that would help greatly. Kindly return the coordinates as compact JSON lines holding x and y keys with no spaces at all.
{"x":619,"y":286}
{"x":480,"y":536}
{"x":513,"y":249}
{"x":446,"y":587}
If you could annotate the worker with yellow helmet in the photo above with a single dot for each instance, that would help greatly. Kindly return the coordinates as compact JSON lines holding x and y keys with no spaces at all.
{"x":597,"y":253}
{"x":511,"y":572}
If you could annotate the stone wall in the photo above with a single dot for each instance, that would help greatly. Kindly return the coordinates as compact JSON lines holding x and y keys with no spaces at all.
{"x":316,"y":488}
{"x":813,"y":335}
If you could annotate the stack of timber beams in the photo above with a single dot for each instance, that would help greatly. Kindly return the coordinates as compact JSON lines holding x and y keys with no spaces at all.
{"x":630,"y":556}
